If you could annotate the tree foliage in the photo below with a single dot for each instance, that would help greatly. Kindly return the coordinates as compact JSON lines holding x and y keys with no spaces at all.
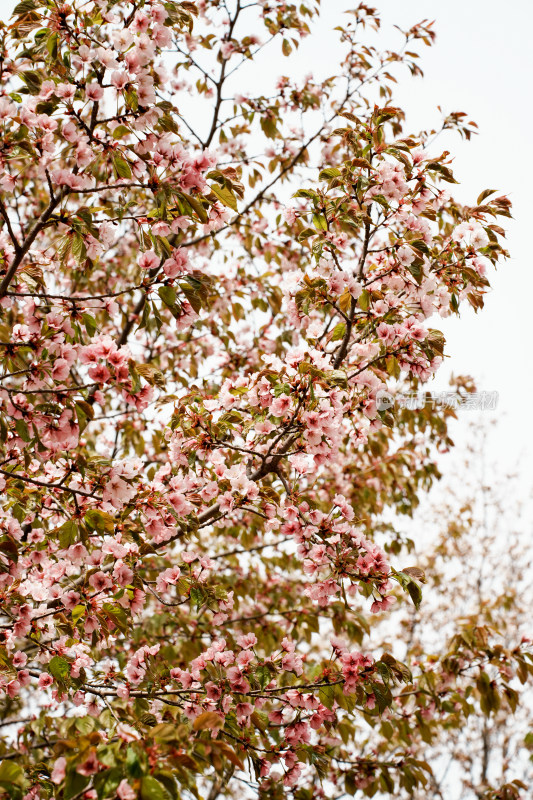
{"x":203,"y":294}
{"x":472,"y":538}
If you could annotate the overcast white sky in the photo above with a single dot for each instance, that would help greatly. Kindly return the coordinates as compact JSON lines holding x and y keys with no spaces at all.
{"x":482,"y":63}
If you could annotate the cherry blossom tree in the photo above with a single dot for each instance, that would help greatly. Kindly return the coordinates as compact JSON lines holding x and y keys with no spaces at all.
{"x":204,"y":294}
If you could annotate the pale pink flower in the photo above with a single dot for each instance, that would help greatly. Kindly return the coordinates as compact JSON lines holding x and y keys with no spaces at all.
{"x":59,"y":770}
{"x":94,"y":92}
{"x":148,"y":260}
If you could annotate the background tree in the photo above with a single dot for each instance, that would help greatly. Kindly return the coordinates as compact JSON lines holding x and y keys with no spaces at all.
{"x":473,"y":538}
{"x":198,"y":474}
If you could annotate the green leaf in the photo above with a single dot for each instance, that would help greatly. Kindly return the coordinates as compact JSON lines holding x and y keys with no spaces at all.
{"x":306,"y":193}
{"x":117,"y":615}
{"x":387,"y":781}
{"x":75,"y":784}
{"x":9,"y":550}
{"x":384,"y":671}
{"x":326,"y":695}
{"x":22,"y":430}
{"x":33,"y":81}
{"x":345,"y":701}
{"x":52,"y":45}
{"x":383,"y":696}
{"x":401,"y":671}
{"x":151,"y":789}
{"x":145,"y":317}
{"x":59,"y":668}
{"x":151,"y":374}
{"x":209,"y":721}
{"x":68,"y":533}
{"x":225,"y":196}
{"x":319,"y":222}
{"x":122,"y":168}
{"x":364,"y":300}
{"x":77,"y":613}
{"x":10,"y":772}
{"x":165,"y":732}
{"x":196,"y":206}
{"x":419,"y":244}
{"x":337,"y":377}
{"x":416,"y":270}
{"x":24,"y":8}
{"x":262,"y":673}
{"x":107,"y":781}
{"x":192,"y":297}
{"x":107,"y":755}
{"x":90,"y":324}
{"x":268,"y":126}
{"x":444,"y":172}
{"x":415,"y":572}
{"x":350,"y":783}
{"x":286,"y":48}
{"x":167,"y":295}
{"x":84,"y":412}
{"x":120,"y":131}
{"x":100,"y":521}
{"x":484,"y":195}
{"x":338,"y":332}
{"x":133,"y":763}
{"x":393,"y":367}
{"x":168,"y":124}
{"x":328,"y":173}
{"x":415,"y":593}
{"x":85,"y":725}
{"x":78,"y":249}
{"x":165,"y":246}
{"x":157,"y":317}
{"x":196,"y":596}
